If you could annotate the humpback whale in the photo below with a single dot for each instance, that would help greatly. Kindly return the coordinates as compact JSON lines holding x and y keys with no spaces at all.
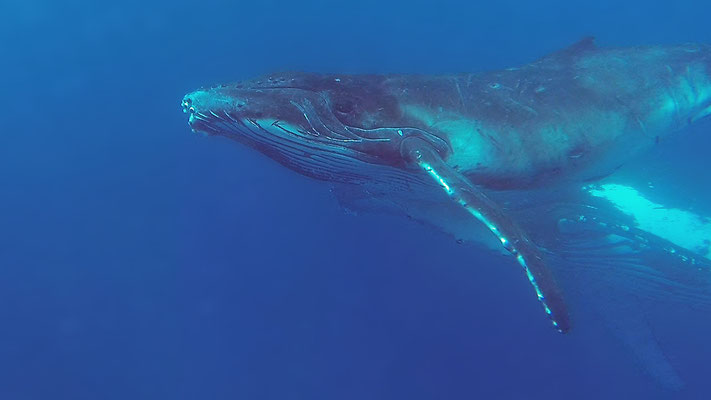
{"x":515,"y":159}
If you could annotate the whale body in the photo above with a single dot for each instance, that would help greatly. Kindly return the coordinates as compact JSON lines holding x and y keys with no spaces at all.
{"x":507,"y":157}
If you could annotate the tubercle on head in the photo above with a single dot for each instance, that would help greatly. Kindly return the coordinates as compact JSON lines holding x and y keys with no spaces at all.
{"x":213,"y":99}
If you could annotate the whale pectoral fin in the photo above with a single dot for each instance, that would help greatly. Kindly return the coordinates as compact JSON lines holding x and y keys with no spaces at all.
{"x":512,"y":237}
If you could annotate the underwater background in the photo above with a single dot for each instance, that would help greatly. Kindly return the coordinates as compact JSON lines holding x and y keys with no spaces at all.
{"x":141,"y":261}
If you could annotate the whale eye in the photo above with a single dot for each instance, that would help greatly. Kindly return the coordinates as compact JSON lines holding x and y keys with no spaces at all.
{"x":344,"y":107}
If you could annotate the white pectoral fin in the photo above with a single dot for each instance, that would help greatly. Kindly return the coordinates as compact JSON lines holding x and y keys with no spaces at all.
{"x":509,"y":233}
{"x":625,"y":255}
{"x":662,"y":252}
{"x":683,"y":228}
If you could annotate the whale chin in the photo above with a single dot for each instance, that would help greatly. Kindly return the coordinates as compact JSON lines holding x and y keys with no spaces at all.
{"x":299,"y":150}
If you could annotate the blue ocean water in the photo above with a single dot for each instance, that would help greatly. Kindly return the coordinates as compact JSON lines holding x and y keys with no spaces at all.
{"x":140,"y":261}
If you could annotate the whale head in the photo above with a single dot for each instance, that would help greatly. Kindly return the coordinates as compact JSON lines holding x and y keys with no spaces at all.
{"x":323,"y":126}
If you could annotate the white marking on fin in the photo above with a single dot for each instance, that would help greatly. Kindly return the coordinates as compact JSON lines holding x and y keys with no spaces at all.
{"x":703,"y":113}
{"x":681,"y":227}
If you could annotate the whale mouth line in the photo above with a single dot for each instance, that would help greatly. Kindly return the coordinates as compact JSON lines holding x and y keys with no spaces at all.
{"x":307,"y":150}
{"x":273,"y":132}
{"x":288,"y":144}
